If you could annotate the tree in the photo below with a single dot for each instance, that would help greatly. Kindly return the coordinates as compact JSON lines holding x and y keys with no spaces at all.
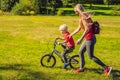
{"x":90,"y":4}
{"x":108,"y":2}
{"x":26,"y":7}
{"x":6,"y":5}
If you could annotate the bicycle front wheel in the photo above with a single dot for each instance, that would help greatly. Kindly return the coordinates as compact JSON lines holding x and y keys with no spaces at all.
{"x":74,"y":61}
{"x":48,"y":60}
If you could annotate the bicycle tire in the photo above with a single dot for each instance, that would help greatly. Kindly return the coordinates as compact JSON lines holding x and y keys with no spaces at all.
{"x":74,"y":62}
{"x":48,"y":61}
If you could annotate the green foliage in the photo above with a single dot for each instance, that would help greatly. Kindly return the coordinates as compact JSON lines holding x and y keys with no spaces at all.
{"x":6,"y":5}
{"x":26,"y":7}
{"x":105,"y":1}
{"x":59,"y":12}
{"x":116,"y":11}
{"x":65,"y":11}
{"x":1,"y":12}
{"x":18,"y":9}
{"x":115,"y":2}
{"x":111,"y":1}
{"x":97,"y":1}
{"x":70,"y":3}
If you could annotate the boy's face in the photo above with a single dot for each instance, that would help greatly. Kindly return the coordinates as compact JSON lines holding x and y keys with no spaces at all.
{"x":63,"y":31}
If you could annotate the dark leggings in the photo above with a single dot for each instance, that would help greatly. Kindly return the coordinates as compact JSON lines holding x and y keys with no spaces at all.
{"x":88,"y":45}
{"x":66,"y":51}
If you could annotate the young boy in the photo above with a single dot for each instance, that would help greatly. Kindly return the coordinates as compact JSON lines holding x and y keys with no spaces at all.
{"x":68,"y":43}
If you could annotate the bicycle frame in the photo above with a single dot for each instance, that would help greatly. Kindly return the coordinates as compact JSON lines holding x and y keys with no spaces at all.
{"x":56,"y":52}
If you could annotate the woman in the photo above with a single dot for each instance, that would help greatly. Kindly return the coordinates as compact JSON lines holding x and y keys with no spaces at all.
{"x":85,"y":23}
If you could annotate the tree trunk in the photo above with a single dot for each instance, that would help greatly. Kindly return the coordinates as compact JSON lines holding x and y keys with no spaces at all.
{"x":90,"y":4}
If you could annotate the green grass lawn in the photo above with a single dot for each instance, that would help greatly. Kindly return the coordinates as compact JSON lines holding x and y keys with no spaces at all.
{"x":24,"y":39}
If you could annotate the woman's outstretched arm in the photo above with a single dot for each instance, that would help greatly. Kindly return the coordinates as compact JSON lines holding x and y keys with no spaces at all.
{"x":86,"y":29}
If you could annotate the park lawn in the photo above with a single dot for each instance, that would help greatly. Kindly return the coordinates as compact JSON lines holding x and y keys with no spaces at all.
{"x":24,"y":39}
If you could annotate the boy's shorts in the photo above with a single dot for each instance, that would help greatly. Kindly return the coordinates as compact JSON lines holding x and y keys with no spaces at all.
{"x":69,"y":49}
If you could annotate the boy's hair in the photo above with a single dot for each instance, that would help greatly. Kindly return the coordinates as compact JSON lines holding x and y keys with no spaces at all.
{"x":63,"y":27}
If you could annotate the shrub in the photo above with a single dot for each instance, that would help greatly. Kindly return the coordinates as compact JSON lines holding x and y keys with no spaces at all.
{"x":6,"y":5}
{"x":26,"y":7}
{"x":1,"y":12}
{"x":116,"y":11}
{"x":111,"y":1}
{"x":59,"y":12}
{"x":32,"y":12}
{"x":105,"y":1}
{"x":18,"y":9}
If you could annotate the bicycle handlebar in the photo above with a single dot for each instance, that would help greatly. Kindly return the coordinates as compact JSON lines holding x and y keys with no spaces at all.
{"x":55,"y":43}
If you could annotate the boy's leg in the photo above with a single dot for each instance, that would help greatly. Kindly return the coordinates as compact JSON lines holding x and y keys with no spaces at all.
{"x":64,"y":55}
{"x":64,"y":59}
{"x":63,"y":45}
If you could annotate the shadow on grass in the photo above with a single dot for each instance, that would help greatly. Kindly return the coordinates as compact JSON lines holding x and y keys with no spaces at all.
{"x":114,"y":73}
{"x":0,"y":77}
{"x":36,"y":75}
{"x":96,"y":70}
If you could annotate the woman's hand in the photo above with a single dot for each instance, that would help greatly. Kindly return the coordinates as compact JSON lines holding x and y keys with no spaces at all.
{"x":69,"y":36}
{"x":79,"y":41}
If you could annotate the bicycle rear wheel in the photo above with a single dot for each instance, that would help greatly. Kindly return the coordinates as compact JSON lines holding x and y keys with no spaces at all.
{"x":74,"y":62}
{"x":48,"y":60}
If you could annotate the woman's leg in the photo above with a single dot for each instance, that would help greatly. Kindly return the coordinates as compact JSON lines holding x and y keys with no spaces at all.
{"x":90,"y":49}
{"x":81,"y":54}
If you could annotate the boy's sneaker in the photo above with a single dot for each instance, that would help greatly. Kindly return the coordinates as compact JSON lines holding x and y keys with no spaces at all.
{"x":78,"y":70}
{"x":65,"y":65}
{"x":108,"y":70}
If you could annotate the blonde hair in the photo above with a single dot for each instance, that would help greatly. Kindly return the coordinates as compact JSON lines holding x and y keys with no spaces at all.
{"x":63,"y":27}
{"x":80,"y":7}
{"x":82,"y":10}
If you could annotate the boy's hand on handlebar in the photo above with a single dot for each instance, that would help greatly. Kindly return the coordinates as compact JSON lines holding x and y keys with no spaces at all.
{"x":58,"y":43}
{"x":57,"y":38}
